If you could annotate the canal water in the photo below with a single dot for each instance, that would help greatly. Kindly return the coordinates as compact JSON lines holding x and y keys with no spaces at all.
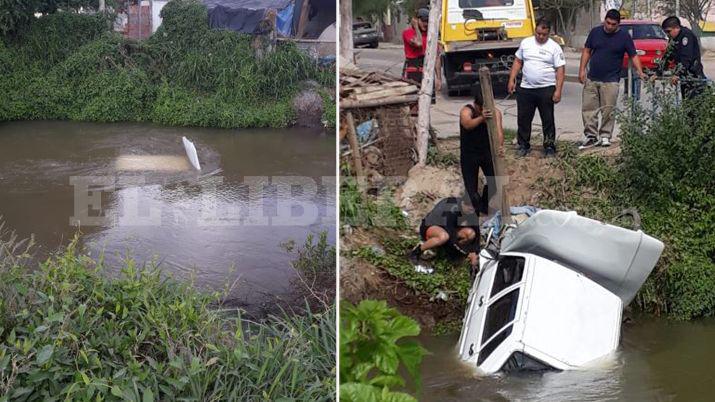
{"x":131,"y":192}
{"x":658,"y":360}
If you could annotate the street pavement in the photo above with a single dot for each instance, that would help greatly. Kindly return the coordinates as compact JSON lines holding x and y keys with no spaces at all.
{"x":445,"y":113}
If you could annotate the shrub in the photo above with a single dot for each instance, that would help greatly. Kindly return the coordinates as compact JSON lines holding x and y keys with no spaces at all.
{"x":372,"y":350}
{"x":69,"y":66}
{"x":67,"y":332}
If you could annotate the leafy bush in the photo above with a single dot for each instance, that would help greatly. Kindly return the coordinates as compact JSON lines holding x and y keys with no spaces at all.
{"x":50,"y":39}
{"x":67,"y":332}
{"x":69,"y":66}
{"x":372,"y":350}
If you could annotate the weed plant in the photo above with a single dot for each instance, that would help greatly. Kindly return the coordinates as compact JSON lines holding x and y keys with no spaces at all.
{"x":70,"y":66}
{"x":69,"y":333}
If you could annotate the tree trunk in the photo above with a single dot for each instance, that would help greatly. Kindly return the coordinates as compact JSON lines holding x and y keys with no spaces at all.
{"x":346,"y":32}
{"x":424,"y":103}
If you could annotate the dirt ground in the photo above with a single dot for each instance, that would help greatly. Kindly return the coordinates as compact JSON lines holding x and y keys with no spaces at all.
{"x":424,"y":186}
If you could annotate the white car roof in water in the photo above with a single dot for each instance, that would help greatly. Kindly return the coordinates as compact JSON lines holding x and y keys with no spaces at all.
{"x":540,"y":308}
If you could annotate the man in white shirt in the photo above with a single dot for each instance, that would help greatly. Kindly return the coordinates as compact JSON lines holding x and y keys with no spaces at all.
{"x":542,"y":62}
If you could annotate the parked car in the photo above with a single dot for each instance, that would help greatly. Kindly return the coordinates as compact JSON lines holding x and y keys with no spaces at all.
{"x":365,"y":34}
{"x":650,"y":41}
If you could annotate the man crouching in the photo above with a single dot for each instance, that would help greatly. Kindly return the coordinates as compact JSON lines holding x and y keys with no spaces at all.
{"x":453,"y":225}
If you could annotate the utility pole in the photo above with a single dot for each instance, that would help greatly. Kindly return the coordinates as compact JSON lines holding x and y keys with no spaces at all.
{"x":346,"y":32}
{"x":428,"y":73}
{"x":677,"y":8}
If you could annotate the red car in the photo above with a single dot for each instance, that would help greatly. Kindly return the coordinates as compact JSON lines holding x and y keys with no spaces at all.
{"x":650,"y":41}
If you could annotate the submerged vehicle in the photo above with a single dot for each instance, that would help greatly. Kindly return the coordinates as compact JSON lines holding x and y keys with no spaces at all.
{"x":552,"y":297}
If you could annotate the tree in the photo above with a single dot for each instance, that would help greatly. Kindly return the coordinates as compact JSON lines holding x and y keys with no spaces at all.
{"x":346,"y":31}
{"x":565,"y":10}
{"x":692,"y":10}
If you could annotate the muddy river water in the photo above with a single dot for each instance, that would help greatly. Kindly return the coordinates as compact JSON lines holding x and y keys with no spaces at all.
{"x":657,"y":360}
{"x":130,"y":191}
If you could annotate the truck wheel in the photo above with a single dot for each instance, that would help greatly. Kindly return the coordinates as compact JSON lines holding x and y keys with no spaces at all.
{"x":374,"y":45}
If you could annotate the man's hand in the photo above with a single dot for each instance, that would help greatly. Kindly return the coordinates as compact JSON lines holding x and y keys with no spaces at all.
{"x":511,"y":87}
{"x":473,"y":259}
{"x":674,"y":80}
{"x":437,"y":84}
{"x":557,"y":96}
{"x":488,"y":114}
{"x":582,"y":76}
{"x":643,"y":76}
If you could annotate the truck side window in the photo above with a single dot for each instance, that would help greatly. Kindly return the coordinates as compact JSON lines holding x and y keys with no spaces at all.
{"x":487,"y":350}
{"x":499,"y":314}
{"x":509,"y":271}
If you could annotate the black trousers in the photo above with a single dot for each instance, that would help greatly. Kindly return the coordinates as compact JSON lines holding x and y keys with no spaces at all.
{"x":527,"y":101}
{"x":471,"y":162}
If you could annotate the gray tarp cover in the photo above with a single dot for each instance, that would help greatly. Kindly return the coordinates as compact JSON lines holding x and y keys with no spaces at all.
{"x":618,"y":259}
{"x":242,"y":15}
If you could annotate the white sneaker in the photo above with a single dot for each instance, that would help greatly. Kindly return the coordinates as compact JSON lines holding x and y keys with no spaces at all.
{"x":605,"y":142}
{"x":588,"y":142}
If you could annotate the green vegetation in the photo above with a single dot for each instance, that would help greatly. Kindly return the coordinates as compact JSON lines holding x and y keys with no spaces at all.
{"x":666,"y":172}
{"x":372,"y":350}
{"x":448,"y":277}
{"x":69,"y":333}
{"x":70,"y":66}
{"x":357,"y":209}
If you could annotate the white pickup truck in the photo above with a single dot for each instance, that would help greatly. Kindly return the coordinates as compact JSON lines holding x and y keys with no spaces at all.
{"x":553,"y":296}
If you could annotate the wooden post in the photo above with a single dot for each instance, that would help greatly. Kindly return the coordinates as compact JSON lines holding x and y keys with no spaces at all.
{"x":423,"y":112}
{"x":485,"y":81}
{"x":355,"y":147}
{"x":346,"y":33}
{"x":303,"y":20}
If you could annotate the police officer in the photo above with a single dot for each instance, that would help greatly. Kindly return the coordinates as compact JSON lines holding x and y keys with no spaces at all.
{"x":684,"y":50}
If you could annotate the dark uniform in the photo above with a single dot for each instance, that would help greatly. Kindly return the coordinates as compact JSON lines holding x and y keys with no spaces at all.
{"x":684,"y":51}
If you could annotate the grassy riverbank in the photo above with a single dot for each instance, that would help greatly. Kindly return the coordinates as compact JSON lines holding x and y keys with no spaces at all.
{"x":70,"y":66}
{"x":69,"y":333}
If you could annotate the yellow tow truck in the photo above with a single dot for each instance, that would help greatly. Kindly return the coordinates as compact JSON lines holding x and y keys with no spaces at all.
{"x":476,"y":33}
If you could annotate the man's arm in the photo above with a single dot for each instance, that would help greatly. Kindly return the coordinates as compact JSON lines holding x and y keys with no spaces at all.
{"x":585,"y":57}
{"x":639,"y":67}
{"x":410,"y":36}
{"x":469,"y":122}
{"x":560,"y":76}
{"x":515,"y":68}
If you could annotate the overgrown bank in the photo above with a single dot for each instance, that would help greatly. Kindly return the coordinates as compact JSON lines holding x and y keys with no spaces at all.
{"x":71,"y":66}
{"x":663,"y":169}
{"x":69,"y":333}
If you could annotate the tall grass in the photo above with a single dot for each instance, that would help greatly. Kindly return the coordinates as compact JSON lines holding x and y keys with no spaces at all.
{"x":69,"y":333}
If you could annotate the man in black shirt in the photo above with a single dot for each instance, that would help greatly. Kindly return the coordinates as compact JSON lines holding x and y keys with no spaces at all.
{"x":474,"y":150}
{"x":453,"y":224}
{"x":684,"y":50}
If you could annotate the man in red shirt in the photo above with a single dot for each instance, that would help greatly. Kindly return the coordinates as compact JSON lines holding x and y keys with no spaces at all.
{"x":415,"y":41}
